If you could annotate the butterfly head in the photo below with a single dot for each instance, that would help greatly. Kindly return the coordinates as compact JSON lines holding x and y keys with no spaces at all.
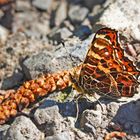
{"x":74,"y":76}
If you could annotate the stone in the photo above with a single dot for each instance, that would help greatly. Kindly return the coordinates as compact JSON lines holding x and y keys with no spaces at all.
{"x":68,"y":25}
{"x":127,"y":22}
{"x":3,"y":131}
{"x":112,"y":108}
{"x":62,"y":58}
{"x":91,"y":3}
{"x":66,"y":135}
{"x":45,"y":62}
{"x":127,"y":125}
{"x":68,"y":108}
{"x":97,"y":9}
{"x":17,"y":40}
{"x":80,"y":135}
{"x":136,"y":128}
{"x":47,"y":115}
{"x":22,"y":5}
{"x":104,"y":124}
{"x":1,"y":13}
{"x":59,"y":34}
{"x":102,"y":107}
{"x":128,"y":113}
{"x":99,"y":138}
{"x":12,"y":81}
{"x":43,"y":4}
{"x":77,"y":14}
{"x":23,"y":128}
{"x":70,"y":121}
{"x":137,"y":48}
{"x":82,"y":32}
{"x":38,"y":29}
{"x":91,"y":117}
{"x":50,"y":120}
{"x":37,"y":64}
{"x":90,"y":128}
{"x":61,"y":13}
{"x":78,"y":49}
{"x":3,"y":34}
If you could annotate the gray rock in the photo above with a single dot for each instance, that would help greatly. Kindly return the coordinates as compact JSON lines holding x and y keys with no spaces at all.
{"x":76,"y":48}
{"x":38,"y":29}
{"x":127,"y":22}
{"x":3,"y":131}
{"x":17,"y":47}
{"x":17,"y":40}
{"x":92,"y":117}
{"x":77,"y":14}
{"x":3,"y":34}
{"x":1,"y":13}
{"x":112,"y":108}
{"x":99,"y":138}
{"x":90,"y":128}
{"x":137,"y":47}
{"x":47,"y":115}
{"x":97,"y":9}
{"x":104,"y":124}
{"x":23,"y":129}
{"x":127,"y":125}
{"x":128,"y":113}
{"x":24,"y":22}
{"x":42,"y":4}
{"x":22,"y":5}
{"x":59,"y":34}
{"x":36,"y":65}
{"x":66,"y":135}
{"x":61,"y":13}
{"x":102,"y":107}
{"x":50,"y":119}
{"x":60,"y":59}
{"x":136,"y":128}
{"x":91,"y":3}
{"x":80,"y":135}
{"x":45,"y":62}
{"x":71,"y":121}
{"x":82,"y":32}
{"x":13,"y":81}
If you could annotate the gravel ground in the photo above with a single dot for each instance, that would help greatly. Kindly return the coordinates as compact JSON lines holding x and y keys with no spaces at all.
{"x":41,"y":36}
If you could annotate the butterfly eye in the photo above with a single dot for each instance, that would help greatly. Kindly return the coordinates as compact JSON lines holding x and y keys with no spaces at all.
{"x":74,"y":80}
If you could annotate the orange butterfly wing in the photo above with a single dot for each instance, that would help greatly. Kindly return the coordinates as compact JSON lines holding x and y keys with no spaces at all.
{"x":106,"y":70}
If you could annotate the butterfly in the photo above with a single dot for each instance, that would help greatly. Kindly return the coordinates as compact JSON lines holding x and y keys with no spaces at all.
{"x":106,"y":70}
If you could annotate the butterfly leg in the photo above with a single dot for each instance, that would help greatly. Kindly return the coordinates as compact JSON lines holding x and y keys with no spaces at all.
{"x":77,"y":107}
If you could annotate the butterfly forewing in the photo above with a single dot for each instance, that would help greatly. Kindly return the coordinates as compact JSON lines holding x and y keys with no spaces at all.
{"x":106,"y":70}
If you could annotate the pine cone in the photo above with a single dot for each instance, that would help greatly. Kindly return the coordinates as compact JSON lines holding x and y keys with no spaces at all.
{"x":5,"y":1}
{"x":16,"y":101}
